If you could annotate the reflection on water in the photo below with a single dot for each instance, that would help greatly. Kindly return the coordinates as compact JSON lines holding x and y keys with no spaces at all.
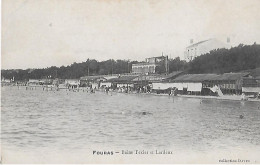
{"x":78,"y":120}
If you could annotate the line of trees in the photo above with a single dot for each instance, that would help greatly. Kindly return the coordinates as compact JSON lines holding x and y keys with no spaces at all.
{"x":89,"y":67}
{"x":75,"y":70}
{"x":173,"y":65}
{"x":242,"y":57}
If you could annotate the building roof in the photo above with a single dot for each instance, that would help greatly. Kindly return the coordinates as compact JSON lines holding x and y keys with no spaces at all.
{"x":230,"y":76}
{"x":196,"y":44}
{"x":162,"y":56}
{"x":124,"y":78}
{"x":100,"y":77}
{"x":157,"y":77}
{"x":153,"y":77}
{"x":143,"y":63}
{"x":157,"y":57}
{"x":71,"y":79}
{"x":173,"y":74}
{"x":92,"y":78}
{"x":194,"y":77}
{"x":209,"y":77}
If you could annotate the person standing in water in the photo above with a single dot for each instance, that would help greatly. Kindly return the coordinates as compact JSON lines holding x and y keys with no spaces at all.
{"x":107,"y":89}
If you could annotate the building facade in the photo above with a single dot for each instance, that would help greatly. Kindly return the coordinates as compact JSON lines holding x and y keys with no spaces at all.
{"x":144,"y":68}
{"x":150,"y":64}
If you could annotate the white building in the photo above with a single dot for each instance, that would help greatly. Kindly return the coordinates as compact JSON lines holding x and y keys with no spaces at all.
{"x":203,"y":47}
{"x":3,"y":80}
{"x":105,"y":84}
{"x":72,"y":82}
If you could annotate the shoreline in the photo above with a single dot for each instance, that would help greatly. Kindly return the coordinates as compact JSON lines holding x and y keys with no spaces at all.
{"x":225,"y":97}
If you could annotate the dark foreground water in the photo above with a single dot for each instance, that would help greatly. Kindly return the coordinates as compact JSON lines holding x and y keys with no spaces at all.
{"x":34,"y":120}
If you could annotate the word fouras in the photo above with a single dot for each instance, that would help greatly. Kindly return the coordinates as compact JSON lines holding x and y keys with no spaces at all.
{"x":103,"y":153}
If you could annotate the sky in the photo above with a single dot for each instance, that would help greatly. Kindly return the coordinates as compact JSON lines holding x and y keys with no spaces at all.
{"x":44,"y":33}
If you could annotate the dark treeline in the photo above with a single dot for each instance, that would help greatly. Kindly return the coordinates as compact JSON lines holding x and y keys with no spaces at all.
{"x":174,"y":65}
{"x":242,"y":57}
{"x":217,"y":61}
{"x":73,"y":71}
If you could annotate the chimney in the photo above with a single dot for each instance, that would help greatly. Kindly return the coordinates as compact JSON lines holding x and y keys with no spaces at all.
{"x":191,"y":41}
{"x":228,"y":40}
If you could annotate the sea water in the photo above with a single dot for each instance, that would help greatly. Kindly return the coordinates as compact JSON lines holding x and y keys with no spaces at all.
{"x":35,"y":120}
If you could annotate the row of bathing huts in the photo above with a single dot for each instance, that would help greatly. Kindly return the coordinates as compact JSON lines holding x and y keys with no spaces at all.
{"x":173,"y":83}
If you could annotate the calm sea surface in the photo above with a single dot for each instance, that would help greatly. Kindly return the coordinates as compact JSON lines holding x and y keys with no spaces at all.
{"x":35,"y":119}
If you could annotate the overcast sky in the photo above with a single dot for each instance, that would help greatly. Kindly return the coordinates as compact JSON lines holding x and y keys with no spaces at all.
{"x":44,"y":33}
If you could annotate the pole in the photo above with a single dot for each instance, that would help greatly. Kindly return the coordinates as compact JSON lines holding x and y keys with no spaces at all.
{"x":128,"y":66}
{"x":166,"y":64}
{"x":112,"y":66}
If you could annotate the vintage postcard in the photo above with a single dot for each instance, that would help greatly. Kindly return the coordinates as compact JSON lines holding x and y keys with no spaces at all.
{"x":130,"y":81}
